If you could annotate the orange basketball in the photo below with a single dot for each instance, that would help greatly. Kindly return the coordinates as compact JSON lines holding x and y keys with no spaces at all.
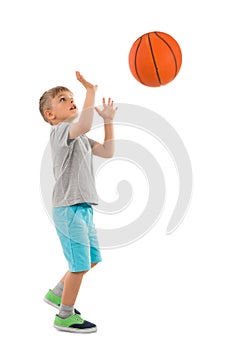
{"x":155,"y":59}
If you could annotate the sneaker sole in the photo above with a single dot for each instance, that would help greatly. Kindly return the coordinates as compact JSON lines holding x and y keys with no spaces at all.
{"x":76,"y":330}
{"x":50,"y":303}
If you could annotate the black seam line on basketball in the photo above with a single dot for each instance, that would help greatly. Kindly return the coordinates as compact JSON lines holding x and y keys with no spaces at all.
{"x":176,"y":66}
{"x":135,"y":63}
{"x":154,"y":60}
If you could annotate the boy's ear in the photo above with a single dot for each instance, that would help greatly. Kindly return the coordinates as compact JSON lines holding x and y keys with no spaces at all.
{"x":48,"y":114}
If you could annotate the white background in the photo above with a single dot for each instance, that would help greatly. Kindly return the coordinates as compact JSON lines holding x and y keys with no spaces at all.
{"x":162,"y":292}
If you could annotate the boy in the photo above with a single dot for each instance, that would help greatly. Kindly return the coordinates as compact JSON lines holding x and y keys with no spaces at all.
{"x":74,"y":192}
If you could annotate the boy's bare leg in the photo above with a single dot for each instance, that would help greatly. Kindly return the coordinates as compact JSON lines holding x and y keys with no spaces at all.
{"x":67,"y":289}
{"x":71,"y":288}
{"x":63,"y":279}
{"x":72,"y":282}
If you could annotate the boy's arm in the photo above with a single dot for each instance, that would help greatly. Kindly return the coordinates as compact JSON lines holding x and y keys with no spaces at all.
{"x":106,"y":150}
{"x":86,"y":117}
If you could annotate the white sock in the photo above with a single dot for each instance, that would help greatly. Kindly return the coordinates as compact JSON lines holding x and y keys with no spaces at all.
{"x":58,"y":289}
{"x":65,"y":311}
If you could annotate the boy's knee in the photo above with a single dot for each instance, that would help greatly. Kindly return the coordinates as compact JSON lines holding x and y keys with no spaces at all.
{"x":94,"y":264}
{"x":79,"y":273}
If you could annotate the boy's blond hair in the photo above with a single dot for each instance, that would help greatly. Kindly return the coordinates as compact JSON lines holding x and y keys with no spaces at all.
{"x":45,"y":100}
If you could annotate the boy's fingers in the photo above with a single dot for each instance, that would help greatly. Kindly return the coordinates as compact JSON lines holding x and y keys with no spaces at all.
{"x":98,"y":110}
{"x":80,"y":77}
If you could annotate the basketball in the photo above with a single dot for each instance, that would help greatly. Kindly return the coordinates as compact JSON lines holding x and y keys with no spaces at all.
{"x":155,"y":59}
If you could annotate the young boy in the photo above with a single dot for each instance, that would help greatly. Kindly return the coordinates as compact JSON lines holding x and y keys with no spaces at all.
{"x":74,"y":192}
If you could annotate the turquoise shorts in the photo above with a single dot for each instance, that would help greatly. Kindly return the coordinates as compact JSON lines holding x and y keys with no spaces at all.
{"x":78,"y":236}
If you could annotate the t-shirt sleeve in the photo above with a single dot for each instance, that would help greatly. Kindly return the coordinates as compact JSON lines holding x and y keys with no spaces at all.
{"x":60,"y":135}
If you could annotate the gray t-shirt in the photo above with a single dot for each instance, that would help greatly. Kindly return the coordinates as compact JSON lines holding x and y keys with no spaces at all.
{"x":72,"y":168}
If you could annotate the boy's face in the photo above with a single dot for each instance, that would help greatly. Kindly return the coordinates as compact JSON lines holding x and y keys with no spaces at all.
{"x":63,"y":108}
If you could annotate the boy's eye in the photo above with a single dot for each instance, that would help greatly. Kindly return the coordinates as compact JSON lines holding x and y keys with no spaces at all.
{"x":62,"y":99}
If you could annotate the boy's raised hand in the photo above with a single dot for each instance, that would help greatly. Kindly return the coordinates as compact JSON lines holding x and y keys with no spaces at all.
{"x":108,"y":111}
{"x":85,"y":83}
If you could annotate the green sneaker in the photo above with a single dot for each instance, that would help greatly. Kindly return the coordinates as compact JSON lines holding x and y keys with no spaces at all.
{"x":52,"y":299}
{"x":75,"y":324}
